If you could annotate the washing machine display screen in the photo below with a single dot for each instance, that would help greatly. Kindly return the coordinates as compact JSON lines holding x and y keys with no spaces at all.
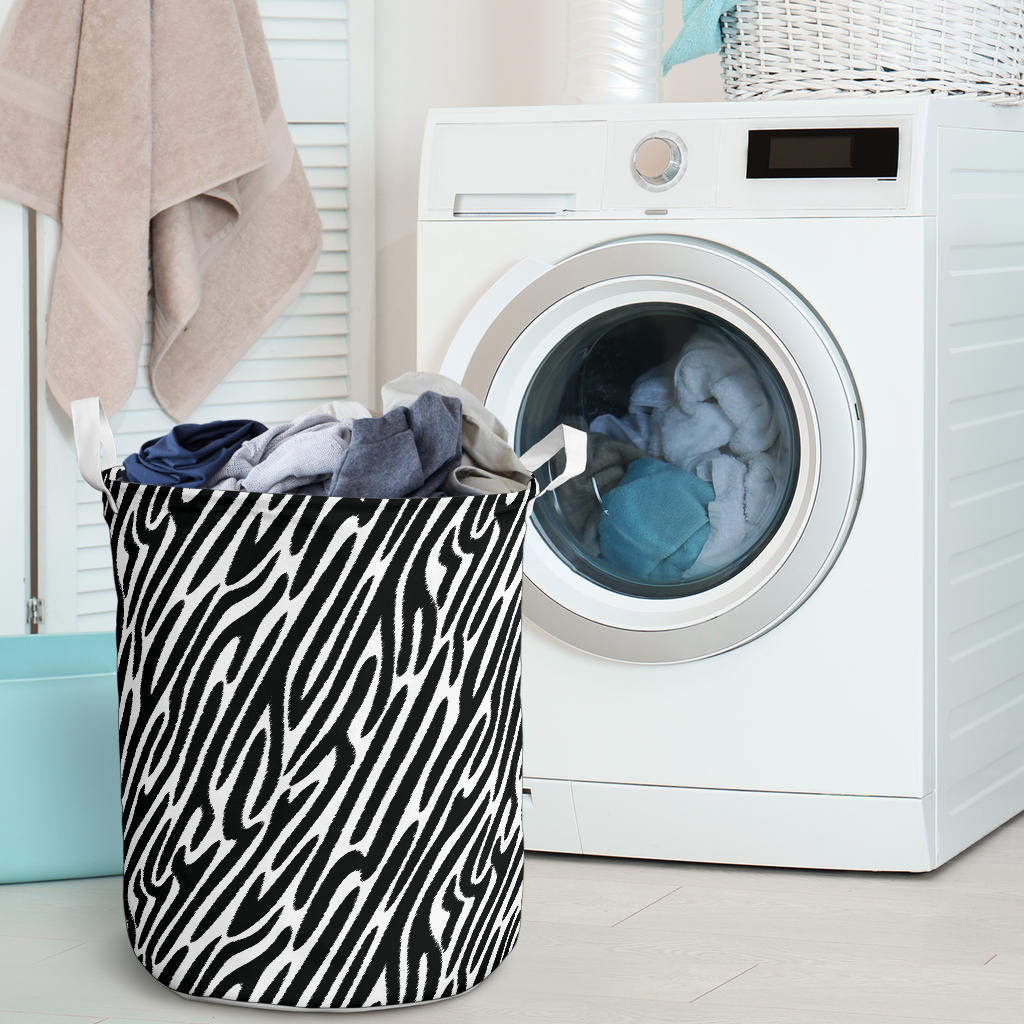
{"x":693,"y":449}
{"x":801,"y":153}
{"x":824,"y":153}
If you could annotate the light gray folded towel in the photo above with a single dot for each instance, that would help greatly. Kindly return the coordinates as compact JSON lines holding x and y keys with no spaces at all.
{"x":299,"y":457}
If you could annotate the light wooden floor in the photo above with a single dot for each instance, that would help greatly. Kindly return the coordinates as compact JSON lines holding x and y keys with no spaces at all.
{"x":623,"y":942}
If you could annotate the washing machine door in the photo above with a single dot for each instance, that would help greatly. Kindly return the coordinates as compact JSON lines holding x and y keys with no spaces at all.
{"x":726,"y":446}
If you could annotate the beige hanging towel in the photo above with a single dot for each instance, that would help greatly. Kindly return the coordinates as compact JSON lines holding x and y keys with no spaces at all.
{"x":152,"y":128}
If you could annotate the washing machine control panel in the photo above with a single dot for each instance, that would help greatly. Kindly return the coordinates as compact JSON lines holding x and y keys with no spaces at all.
{"x":693,"y":160}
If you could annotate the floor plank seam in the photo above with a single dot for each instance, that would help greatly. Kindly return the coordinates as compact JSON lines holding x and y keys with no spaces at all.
{"x":61,"y":952}
{"x":649,"y":905}
{"x":727,"y":981}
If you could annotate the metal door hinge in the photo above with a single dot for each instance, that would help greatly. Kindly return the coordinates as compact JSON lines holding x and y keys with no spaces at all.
{"x":34,"y":610}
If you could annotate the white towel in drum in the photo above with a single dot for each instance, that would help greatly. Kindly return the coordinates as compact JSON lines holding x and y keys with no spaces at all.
{"x":729,"y":528}
{"x":711,"y":368}
{"x":686,"y":439}
{"x":642,"y":430}
{"x":761,"y":488}
{"x":653,"y":391}
{"x":708,"y":412}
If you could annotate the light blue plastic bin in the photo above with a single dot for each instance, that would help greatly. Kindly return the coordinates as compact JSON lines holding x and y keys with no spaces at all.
{"x":60,"y":793}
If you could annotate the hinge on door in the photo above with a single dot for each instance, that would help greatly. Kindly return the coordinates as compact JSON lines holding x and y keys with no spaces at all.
{"x":34,"y":610}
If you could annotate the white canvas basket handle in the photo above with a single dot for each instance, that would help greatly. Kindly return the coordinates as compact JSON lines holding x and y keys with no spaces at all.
{"x":568,"y":439}
{"x":94,"y":443}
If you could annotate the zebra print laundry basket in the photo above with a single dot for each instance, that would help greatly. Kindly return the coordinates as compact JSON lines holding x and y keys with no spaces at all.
{"x":320,"y":735}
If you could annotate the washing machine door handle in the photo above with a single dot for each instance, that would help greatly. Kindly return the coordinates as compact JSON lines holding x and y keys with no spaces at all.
{"x":480,"y":318}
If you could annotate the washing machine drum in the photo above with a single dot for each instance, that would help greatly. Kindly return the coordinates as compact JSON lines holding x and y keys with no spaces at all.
{"x":693,"y":449}
{"x":725,"y":445}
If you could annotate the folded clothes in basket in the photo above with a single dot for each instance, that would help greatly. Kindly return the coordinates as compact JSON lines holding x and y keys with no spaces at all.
{"x":435,"y":438}
{"x":190,"y":454}
{"x":406,"y":453}
{"x":299,"y":457}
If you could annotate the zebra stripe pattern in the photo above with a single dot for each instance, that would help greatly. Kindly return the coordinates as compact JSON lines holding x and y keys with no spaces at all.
{"x":320,"y":733}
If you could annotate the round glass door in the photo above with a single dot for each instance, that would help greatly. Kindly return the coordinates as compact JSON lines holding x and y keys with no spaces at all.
{"x":725,"y":444}
{"x":693,"y":449}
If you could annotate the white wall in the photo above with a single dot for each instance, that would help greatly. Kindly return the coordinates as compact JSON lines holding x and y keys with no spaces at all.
{"x":462,"y":53}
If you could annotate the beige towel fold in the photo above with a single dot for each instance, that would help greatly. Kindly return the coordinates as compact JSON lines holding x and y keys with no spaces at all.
{"x":153,"y":128}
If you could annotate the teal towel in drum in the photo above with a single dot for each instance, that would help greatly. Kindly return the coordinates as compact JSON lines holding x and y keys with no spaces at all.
{"x":655,"y":523}
{"x":701,"y":32}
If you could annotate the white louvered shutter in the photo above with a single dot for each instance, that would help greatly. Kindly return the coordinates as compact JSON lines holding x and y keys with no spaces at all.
{"x":320,"y":348}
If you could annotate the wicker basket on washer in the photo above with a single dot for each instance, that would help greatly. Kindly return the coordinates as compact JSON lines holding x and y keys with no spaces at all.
{"x":814,"y":47}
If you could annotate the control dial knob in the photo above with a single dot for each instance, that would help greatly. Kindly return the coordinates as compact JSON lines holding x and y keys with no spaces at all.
{"x":659,"y":161}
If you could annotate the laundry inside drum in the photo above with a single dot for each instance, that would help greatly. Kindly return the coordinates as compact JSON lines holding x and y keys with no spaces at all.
{"x":693,"y":449}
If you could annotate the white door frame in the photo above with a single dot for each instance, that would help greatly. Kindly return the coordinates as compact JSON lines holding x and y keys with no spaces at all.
{"x":14,"y":417}
{"x":362,"y":200}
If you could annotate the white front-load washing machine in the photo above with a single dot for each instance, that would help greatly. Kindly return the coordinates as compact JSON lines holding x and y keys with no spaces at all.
{"x":781,"y":621}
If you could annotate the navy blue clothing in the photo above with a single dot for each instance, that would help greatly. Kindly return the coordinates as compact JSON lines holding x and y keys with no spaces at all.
{"x":190,"y":454}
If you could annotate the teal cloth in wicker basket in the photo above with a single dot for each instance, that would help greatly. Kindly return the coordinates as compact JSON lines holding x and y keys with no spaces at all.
{"x":701,"y":32}
{"x":60,"y":793}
